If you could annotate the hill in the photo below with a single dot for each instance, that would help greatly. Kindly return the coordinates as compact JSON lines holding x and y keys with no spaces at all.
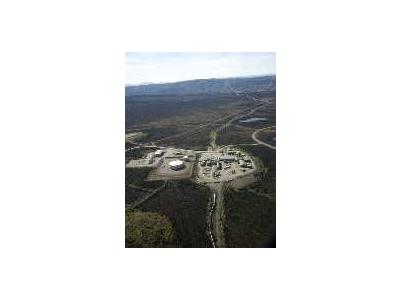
{"x":206,"y":86}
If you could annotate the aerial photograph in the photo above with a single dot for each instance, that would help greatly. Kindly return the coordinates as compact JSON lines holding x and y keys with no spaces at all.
{"x":200,"y":150}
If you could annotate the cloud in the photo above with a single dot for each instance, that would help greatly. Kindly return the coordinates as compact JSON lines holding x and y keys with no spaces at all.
{"x":133,"y":67}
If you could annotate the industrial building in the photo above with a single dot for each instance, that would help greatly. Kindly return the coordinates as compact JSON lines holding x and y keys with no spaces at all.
{"x":227,"y":158}
{"x":224,"y":165}
{"x":150,"y":158}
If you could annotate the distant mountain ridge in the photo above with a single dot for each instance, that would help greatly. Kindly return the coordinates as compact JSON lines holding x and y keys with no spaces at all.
{"x":206,"y":86}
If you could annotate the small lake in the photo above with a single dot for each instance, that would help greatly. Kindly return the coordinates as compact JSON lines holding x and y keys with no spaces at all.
{"x":250,"y":120}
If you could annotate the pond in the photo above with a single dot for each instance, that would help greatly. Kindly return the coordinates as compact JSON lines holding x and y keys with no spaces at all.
{"x":250,"y":120}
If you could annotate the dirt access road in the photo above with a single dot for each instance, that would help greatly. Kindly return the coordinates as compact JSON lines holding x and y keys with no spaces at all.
{"x":210,"y":220}
{"x":254,"y":137}
{"x":234,"y":118}
{"x":216,"y":218}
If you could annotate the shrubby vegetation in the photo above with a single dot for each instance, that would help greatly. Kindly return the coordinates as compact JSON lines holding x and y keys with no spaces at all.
{"x":198,"y":140}
{"x":207,"y":86}
{"x":251,"y":211}
{"x":267,"y":177}
{"x":250,"y":220}
{"x":147,"y":230}
{"x":266,"y":155}
{"x":136,"y":176}
{"x":182,"y":109}
{"x":136,"y":186}
{"x":268,"y":137}
{"x":235,"y":135}
{"x":185,"y":204}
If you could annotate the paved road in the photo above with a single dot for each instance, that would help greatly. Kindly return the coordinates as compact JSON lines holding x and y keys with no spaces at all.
{"x":254,"y":137}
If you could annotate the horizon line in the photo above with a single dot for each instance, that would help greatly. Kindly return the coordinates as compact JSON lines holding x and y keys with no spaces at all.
{"x":208,"y":78}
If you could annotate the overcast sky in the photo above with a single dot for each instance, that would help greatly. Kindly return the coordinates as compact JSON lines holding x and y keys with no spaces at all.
{"x":170,"y":67}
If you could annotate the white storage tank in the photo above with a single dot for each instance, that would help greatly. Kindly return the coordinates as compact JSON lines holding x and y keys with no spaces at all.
{"x":176,"y":164}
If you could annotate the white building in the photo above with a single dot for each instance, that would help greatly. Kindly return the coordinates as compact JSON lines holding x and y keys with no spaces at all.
{"x":176,"y":164}
{"x":158,"y":153}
